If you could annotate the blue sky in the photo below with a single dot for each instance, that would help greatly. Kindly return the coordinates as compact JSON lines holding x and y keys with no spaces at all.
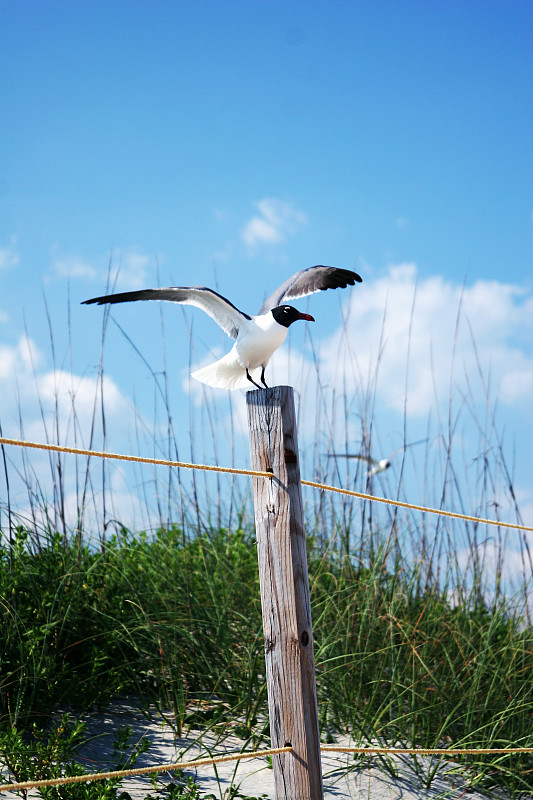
{"x":233,"y":143}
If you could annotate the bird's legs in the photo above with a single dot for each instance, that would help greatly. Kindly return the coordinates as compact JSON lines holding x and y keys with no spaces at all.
{"x":263,"y":381}
{"x":252,"y":380}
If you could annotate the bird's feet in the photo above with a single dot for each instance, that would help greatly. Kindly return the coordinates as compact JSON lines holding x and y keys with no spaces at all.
{"x":252,"y":380}
{"x":263,"y":381}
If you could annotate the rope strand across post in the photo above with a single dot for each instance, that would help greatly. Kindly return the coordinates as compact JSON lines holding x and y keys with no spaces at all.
{"x":285,"y":599}
{"x":77,"y":451}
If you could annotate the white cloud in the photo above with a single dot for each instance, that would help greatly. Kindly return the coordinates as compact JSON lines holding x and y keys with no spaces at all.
{"x":402,"y":223}
{"x":41,"y":405}
{"x":131,"y":270}
{"x":447,"y":321}
{"x":62,"y":399}
{"x":428,"y":343}
{"x":436,"y":337}
{"x":470,"y":353}
{"x":63,"y":394}
{"x":127,"y":268}
{"x":276,"y":220}
{"x":9,"y":257}
{"x":74,"y":266}
{"x":18,"y":359}
{"x":440,"y":333}
{"x":494,"y":561}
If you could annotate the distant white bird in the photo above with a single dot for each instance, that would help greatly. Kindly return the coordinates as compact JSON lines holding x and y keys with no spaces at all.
{"x":375,"y":465}
{"x":256,"y":337}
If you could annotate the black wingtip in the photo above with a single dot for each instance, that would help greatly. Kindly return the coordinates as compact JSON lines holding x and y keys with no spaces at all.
{"x":351,"y":277}
{"x":340,"y":278}
{"x":120,"y":297}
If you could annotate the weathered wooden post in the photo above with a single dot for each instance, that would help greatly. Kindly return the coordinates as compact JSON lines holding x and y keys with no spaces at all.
{"x":290,"y":665}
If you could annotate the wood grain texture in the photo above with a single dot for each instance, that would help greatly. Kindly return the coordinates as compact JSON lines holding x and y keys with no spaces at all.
{"x":286,"y":608}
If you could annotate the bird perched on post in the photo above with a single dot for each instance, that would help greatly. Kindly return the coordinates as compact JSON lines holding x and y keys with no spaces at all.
{"x":256,"y":338}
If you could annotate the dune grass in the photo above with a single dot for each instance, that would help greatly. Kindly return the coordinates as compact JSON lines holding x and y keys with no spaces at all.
{"x":421,"y":638}
{"x":177,"y":624}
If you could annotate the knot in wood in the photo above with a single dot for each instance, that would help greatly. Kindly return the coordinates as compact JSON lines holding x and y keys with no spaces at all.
{"x":269,"y":645}
{"x":290,"y":456}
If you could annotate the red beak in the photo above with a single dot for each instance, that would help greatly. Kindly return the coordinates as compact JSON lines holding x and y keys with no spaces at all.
{"x":307,"y":317}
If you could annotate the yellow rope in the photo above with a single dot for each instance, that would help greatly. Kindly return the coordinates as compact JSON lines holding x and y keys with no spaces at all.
{"x":201,"y":762}
{"x":274,"y":751}
{"x":56,"y":448}
{"x":260,"y":474}
{"x":123,"y":773}
{"x":441,"y":512}
{"x":426,"y":751}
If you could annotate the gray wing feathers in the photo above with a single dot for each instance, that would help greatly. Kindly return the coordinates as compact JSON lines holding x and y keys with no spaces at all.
{"x":360,"y":456}
{"x":224,"y":313}
{"x":308,"y":281}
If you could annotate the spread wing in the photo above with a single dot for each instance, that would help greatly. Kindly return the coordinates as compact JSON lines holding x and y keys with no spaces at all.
{"x":219,"y":308}
{"x":308,"y":281}
{"x":360,"y":456}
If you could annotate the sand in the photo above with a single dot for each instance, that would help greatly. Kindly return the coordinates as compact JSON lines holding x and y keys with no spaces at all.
{"x":343,"y":776}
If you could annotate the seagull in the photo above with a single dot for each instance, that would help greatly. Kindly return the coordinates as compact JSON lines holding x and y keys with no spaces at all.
{"x":256,"y":338}
{"x":375,"y":465}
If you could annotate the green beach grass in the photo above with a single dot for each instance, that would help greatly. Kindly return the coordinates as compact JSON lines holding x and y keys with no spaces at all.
{"x":420,"y":637}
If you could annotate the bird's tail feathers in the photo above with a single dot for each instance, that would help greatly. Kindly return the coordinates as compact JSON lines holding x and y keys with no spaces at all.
{"x":226,"y":373}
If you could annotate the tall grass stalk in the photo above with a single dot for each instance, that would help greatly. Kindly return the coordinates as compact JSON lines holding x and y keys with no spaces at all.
{"x":422,"y":637}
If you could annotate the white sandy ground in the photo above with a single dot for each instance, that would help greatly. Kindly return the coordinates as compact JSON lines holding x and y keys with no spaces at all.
{"x":343,"y":777}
